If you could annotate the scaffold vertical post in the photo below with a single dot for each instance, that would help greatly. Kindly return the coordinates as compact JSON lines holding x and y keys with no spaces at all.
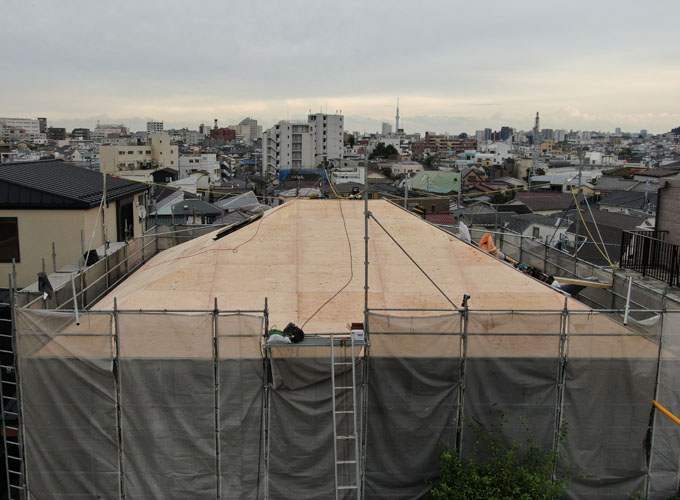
{"x":561,"y":379}
{"x":265,"y":402}
{"x":216,"y":379}
{"x":461,"y":375}
{"x":652,"y":417}
{"x":119,"y":415}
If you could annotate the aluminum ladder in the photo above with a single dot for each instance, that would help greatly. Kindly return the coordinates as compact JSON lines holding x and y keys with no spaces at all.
{"x":347,"y":468}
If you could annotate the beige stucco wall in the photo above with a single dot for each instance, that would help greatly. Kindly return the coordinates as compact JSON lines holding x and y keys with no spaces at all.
{"x":39,"y":228}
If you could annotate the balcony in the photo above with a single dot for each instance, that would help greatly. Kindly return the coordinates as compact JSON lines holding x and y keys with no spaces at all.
{"x":647,"y":253}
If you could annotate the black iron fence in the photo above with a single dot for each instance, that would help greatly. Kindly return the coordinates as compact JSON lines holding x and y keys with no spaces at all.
{"x":647,"y":253}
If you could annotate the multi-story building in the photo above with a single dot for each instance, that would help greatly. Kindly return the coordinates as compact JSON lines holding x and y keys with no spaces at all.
{"x":442,"y":143}
{"x":386,"y":128}
{"x":199,"y":163}
{"x":248,"y":129}
{"x":102,"y":132}
{"x":56,"y":133}
{"x":154,"y":127}
{"x":158,"y":153}
{"x":328,"y":137}
{"x":81,"y":133}
{"x":20,"y":128}
{"x":299,"y":144}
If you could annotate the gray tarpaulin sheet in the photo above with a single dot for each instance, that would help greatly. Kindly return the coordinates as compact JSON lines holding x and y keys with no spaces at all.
{"x":168,"y":405}
{"x":413,"y":402}
{"x":301,"y":422}
{"x":69,"y":405}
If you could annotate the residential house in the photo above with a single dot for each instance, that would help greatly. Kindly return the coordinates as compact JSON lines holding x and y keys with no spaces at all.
{"x":539,"y":227}
{"x":601,"y":234}
{"x":49,"y":210}
{"x":544,"y":203}
{"x":625,"y":201}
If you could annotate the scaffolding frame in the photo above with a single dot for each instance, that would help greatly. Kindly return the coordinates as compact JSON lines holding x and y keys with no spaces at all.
{"x":323,"y":340}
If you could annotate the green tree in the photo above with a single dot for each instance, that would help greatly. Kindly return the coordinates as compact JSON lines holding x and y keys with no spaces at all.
{"x":518,"y":472}
{"x":382,"y":151}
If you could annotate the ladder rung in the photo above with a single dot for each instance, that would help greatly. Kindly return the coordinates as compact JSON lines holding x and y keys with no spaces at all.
{"x":15,"y":472}
{"x":13,"y":458}
{"x":6,"y":352}
{"x":347,"y":487}
{"x":346,"y":462}
{"x":343,"y":387}
{"x":17,"y":487}
{"x":11,"y":442}
{"x":11,"y":413}
{"x":345,"y":411}
{"x":343,"y":363}
{"x":8,"y":382}
{"x":346,"y":437}
{"x":11,"y":428}
{"x":7,"y":367}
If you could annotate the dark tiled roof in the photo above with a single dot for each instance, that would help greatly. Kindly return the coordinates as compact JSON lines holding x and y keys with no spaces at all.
{"x":545,"y":201}
{"x":199,"y":207}
{"x":656,"y":172}
{"x":630,"y":199}
{"x":55,"y":184}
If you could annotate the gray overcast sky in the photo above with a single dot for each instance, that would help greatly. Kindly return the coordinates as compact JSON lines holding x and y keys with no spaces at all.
{"x":456,"y":66}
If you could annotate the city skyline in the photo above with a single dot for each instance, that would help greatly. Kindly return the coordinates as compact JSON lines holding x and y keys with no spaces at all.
{"x":586,"y":67}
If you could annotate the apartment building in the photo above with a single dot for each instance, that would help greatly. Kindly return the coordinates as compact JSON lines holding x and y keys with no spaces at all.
{"x":154,"y":127}
{"x":158,"y":153}
{"x":21,"y":129}
{"x":300,"y":144}
{"x":205,"y":162}
{"x":102,"y":132}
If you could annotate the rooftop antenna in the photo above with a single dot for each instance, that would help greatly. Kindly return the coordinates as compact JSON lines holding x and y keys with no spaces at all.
{"x":397,"y":117}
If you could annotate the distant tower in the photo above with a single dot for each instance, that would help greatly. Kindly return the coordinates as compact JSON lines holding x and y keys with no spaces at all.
{"x":397,"y":130}
{"x":537,"y":145}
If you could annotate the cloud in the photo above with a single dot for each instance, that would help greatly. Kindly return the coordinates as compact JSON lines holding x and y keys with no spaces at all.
{"x":452,"y":64}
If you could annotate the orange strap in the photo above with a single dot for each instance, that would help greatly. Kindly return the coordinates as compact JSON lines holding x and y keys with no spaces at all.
{"x":666,"y":412}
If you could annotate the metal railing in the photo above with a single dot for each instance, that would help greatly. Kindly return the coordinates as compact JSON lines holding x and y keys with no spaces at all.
{"x":647,"y":253}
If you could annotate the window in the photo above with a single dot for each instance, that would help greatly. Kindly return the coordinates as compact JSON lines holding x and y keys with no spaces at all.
{"x":140,"y":151}
{"x":148,"y":152}
{"x":172,"y":162}
{"x":536,"y":233}
{"x":121,"y":152}
{"x":9,"y":239}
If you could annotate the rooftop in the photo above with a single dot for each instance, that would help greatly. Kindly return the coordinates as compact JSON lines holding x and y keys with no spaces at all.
{"x":297,"y":255}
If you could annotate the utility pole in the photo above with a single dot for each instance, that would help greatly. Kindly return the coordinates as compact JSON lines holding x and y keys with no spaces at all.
{"x":460,"y":189}
{"x":406,"y":192}
{"x":578,"y":203}
{"x":104,"y":213}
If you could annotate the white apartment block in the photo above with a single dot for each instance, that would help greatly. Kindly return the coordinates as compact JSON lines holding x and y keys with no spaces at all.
{"x":386,"y":128}
{"x":299,"y":144}
{"x":158,"y":153}
{"x":329,"y":140}
{"x":189,"y":164}
{"x":154,"y":127}
{"x":20,"y":128}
